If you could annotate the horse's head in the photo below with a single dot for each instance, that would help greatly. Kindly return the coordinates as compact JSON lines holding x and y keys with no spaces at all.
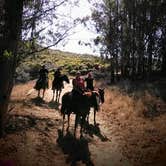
{"x":101,"y":94}
{"x":66,"y":79}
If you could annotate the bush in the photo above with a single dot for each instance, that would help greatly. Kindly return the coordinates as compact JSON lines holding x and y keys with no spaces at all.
{"x":73,"y":72}
{"x":84,"y":71}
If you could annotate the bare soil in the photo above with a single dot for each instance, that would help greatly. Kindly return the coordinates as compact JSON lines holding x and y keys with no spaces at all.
{"x":121,"y":137}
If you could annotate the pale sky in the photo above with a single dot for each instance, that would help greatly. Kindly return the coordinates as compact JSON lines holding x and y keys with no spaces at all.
{"x":80,"y":32}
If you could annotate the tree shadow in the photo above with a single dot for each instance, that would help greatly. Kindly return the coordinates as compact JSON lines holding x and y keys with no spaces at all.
{"x":16,"y":123}
{"x":94,"y":130}
{"x":22,"y":123}
{"x":76,"y":149}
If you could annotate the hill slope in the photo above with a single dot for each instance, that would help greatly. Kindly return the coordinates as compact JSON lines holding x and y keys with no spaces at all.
{"x":70,"y":63}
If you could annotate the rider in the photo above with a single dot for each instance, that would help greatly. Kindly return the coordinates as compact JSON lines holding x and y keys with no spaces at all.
{"x":57,"y":73}
{"x":57,"y":77}
{"x":89,"y":82}
{"x":42,"y":82}
{"x":43,"y":73}
{"x":78,"y":89}
{"x":78,"y":83}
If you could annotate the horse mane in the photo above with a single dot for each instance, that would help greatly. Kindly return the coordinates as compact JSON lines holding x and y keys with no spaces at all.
{"x":65,"y":78}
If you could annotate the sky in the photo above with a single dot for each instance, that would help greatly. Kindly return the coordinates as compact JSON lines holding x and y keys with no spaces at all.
{"x":80,"y":32}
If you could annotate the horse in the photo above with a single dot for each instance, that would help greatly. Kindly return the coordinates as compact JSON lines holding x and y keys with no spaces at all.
{"x":41,"y":83}
{"x":79,"y":105}
{"x":57,"y":85}
{"x":99,"y":100}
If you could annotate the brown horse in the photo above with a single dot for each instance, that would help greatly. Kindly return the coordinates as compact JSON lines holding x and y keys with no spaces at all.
{"x":80,"y":105}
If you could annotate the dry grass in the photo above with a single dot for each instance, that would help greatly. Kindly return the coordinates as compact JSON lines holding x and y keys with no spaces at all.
{"x":136,"y":120}
{"x":138,"y":123}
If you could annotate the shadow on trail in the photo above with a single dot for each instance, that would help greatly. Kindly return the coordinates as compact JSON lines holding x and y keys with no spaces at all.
{"x":38,"y":101}
{"x":76,"y":149}
{"x":94,"y":130}
{"x":54,"y":105}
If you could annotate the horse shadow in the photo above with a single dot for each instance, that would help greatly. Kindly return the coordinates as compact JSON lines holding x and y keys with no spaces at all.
{"x":54,"y":105}
{"x":94,"y":130}
{"x":38,"y":101}
{"x":76,"y":149}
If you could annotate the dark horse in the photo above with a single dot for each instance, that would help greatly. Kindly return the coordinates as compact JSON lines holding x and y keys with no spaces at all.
{"x":57,"y":85}
{"x":100,"y":100}
{"x":41,"y":83}
{"x":79,"y":105}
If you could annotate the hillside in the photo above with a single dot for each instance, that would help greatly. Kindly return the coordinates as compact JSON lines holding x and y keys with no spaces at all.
{"x":70,"y":63}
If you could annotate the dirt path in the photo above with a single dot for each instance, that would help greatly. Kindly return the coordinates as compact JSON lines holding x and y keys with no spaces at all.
{"x":33,"y":137}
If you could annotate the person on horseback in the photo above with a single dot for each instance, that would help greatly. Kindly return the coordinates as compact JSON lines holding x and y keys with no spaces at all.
{"x":57,"y":83}
{"x":42,"y":82}
{"x":43,"y":73}
{"x":78,"y":88}
{"x":78,"y":83}
{"x":89,"y":82}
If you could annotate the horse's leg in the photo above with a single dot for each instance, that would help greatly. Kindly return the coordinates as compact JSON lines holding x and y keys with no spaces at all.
{"x":75,"y":127}
{"x":38,"y":93}
{"x":68,"y":122}
{"x":57,"y":99}
{"x":82,"y":124}
{"x":87,"y":118}
{"x":59,"y":95}
{"x":56,"y":95}
{"x":43,"y":93}
{"x":53,"y":95}
{"x":81,"y":127}
{"x":94,"y":116}
{"x":63,"y":122}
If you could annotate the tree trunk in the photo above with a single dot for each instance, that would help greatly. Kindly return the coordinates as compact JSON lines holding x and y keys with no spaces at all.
{"x":112,"y":69}
{"x":8,"y":54}
{"x":150,"y":47}
{"x":163,"y":52}
{"x":163,"y":64}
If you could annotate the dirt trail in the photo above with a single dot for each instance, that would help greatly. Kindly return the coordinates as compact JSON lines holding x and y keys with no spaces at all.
{"x":34,"y":139}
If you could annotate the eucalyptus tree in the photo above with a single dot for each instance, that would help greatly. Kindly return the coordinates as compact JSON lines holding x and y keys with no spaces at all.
{"x":107,"y":22}
{"x":133,"y":32}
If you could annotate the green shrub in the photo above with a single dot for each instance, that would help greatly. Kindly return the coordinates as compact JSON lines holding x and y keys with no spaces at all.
{"x":73,"y":72}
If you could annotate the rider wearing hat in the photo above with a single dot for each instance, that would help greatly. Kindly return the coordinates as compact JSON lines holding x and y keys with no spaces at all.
{"x":43,"y":73}
{"x":78,"y":83}
{"x":57,"y":79}
{"x":89,"y":82}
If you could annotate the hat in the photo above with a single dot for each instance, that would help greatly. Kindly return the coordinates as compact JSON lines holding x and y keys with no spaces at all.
{"x":89,"y":75}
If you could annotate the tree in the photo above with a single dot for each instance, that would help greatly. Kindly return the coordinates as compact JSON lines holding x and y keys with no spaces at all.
{"x":11,"y":14}
{"x":44,"y":24}
{"x":133,"y":32}
{"x":23,"y":20}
